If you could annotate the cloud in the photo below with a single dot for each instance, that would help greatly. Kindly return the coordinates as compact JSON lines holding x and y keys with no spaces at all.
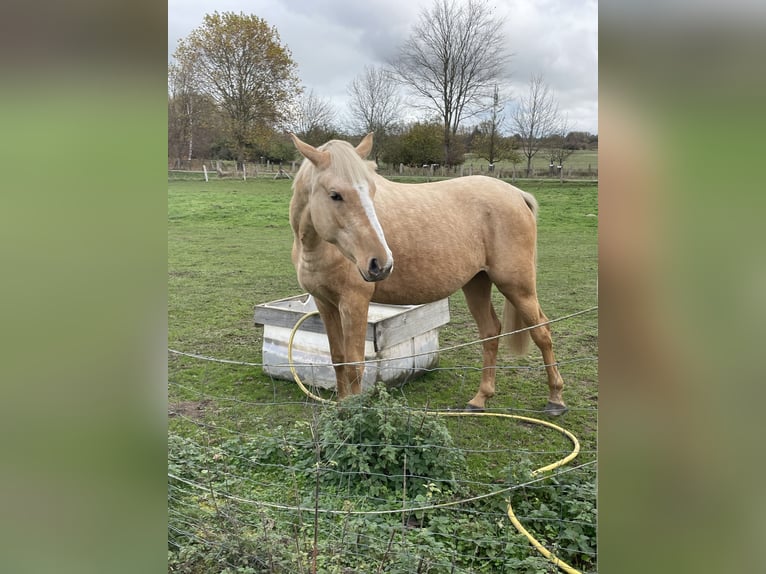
{"x":560,"y":41}
{"x":333,"y":40}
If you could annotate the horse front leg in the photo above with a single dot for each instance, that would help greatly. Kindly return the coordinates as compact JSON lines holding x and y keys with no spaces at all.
{"x":333,"y":326}
{"x":353,"y":315}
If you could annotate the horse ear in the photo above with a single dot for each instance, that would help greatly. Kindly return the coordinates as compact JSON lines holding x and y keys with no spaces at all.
{"x":320,"y":159}
{"x":365,"y":146}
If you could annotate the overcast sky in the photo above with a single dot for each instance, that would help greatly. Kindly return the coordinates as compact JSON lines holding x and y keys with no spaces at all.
{"x":333,"y":40}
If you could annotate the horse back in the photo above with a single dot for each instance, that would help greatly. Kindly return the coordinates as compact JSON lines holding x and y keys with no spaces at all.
{"x":442,"y":234}
{"x":461,"y":206}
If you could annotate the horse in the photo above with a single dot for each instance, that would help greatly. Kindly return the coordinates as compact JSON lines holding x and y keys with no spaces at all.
{"x":360,"y":238}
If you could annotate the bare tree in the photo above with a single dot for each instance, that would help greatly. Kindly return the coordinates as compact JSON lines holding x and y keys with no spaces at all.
{"x":488,"y":143}
{"x":375,"y":105}
{"x":193,"y":118}
{"x":454,"y":56}
{"x":558,"y":149}
{"x":181,"y":91}
{"x":536,"y":117}
{"x":314,"y":119}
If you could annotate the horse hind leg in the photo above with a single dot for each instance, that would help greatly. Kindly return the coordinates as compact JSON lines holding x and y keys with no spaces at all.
{"x":478,"y":297}
{"x":529,"y":311}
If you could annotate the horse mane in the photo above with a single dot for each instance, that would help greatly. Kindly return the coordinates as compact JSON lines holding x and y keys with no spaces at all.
{"x":344,"y":162}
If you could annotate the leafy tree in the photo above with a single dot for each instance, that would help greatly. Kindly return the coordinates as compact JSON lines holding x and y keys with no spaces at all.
{"x":280,"y":149}
{"x":453,"y":58}
{"x":492,"y":147}
{"x":418,"y":144}
{"x":580,"y":140}
{"x":239,"y":61}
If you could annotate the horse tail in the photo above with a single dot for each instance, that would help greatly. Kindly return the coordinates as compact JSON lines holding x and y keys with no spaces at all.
{"x":518,"y":343}
{"x":531,"y":202}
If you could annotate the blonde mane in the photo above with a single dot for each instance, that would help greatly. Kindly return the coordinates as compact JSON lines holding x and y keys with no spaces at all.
{"x":345,"y":162}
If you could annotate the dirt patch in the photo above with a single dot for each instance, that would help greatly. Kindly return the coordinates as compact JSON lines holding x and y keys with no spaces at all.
{"x":189,"y":409}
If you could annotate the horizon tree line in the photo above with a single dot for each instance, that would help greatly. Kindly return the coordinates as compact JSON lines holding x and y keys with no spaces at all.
{"x":233,"y":92}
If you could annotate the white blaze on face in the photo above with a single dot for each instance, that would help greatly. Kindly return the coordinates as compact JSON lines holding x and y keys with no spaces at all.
{"x":364,"y":197}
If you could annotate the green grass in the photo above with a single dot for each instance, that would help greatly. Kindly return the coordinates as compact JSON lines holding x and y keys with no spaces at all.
{"x":579,"y":160}
{"x":229,"y":249}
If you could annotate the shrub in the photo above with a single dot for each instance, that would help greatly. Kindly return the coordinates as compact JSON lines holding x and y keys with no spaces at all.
{"x":374,"y":442}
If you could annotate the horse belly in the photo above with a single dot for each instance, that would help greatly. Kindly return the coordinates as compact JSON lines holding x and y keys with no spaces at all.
{"x":440,"y":239}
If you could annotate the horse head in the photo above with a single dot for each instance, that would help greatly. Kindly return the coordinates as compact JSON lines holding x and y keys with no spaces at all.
{"x":341,"y":204}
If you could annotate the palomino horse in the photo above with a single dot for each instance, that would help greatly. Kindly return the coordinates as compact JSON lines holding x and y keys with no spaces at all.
{"x":360,"y":238}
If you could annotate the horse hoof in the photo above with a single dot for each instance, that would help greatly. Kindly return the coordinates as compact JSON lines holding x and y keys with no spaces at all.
{"x":473,"y":408}
{"x":554,"y":409}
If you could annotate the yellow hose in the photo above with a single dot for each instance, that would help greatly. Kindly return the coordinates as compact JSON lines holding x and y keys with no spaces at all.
{"x":575,"y":443}
{"x":307,"y":392}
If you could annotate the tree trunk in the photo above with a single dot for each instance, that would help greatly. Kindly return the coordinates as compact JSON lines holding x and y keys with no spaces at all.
{"x":190,"y":116}
{"x":446,"y":144}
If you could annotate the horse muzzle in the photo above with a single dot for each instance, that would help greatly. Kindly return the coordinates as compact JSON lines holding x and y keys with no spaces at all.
{"x":375,"y":271}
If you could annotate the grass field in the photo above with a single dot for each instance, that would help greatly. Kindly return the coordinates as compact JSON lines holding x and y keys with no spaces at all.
{"x":229,"y":249}
{"x":580,"y":160}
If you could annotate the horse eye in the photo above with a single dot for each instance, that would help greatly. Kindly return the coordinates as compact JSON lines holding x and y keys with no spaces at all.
{"x":335,"y":196}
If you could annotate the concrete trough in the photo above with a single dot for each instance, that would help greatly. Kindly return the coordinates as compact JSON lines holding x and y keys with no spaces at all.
{"x":401,"y":343}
